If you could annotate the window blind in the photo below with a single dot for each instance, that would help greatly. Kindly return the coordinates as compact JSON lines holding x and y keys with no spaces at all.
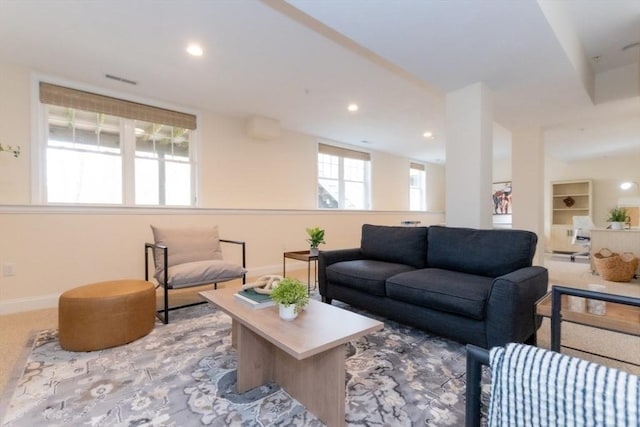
{"x":416,"y":166}
{"x":81,"y":100}
{"x":343,"y":152}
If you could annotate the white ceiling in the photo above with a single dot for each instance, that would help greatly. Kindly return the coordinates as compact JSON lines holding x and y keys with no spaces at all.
{"x":302,"y":62}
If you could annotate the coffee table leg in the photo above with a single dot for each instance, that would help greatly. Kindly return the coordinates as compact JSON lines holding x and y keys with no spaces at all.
{"x":318,"y":382}
{"x":255,"y":359}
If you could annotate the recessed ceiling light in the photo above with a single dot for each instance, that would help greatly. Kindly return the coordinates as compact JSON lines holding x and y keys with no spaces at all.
{"x":428,"y":134}
{"x":353,"y":107}
{"x":626,"y":185}
{"x":195,"y":50}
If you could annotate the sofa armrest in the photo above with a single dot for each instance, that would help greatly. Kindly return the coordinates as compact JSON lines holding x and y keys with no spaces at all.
{"x":511,"y":305}
{"x":326,"y":258}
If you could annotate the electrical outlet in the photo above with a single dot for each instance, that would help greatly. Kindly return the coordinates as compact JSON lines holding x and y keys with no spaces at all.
{"x":9,"y":269}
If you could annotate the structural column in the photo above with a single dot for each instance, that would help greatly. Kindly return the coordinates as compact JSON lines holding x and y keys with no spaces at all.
{"x":469,"y":157}
{"x":527,"y":151}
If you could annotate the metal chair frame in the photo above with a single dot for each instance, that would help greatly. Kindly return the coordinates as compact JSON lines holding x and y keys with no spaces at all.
{"x":476,"y":358}
{"x":163,"y":314}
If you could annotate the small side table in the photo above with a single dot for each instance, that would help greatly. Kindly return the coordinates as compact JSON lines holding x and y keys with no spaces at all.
{"x":306,"y":257}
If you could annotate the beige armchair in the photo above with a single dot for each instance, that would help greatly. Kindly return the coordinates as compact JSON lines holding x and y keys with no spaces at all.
{"x":186,"y":257}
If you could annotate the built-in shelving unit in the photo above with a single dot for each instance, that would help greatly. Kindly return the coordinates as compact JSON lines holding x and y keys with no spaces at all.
{"x":568,"y":199}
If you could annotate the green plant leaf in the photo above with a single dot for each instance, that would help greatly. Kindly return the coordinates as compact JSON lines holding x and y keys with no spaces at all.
{"x":316,"y":236}
{"x":617,"y":215}
{"x":291,"y":291}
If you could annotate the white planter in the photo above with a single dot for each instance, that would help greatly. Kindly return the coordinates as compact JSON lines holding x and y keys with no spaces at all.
{"x":313,"y":251}
{"x":288,"y":312}
{"x":617,"y":225}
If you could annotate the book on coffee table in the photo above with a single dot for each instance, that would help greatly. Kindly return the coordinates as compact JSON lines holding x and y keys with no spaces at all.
{"x":254,"y":299}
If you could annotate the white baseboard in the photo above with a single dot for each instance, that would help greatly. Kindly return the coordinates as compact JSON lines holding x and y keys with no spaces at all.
{"x":19,"y":305}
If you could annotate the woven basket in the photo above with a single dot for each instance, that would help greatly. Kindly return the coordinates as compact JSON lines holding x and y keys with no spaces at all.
{"x":614,"y":267}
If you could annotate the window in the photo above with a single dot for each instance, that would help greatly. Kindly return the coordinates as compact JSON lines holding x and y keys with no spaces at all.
{"x":417,"y":194}
{"x":162,"y":167}
{"x":110,"y":151}
{"x":343,"y":178}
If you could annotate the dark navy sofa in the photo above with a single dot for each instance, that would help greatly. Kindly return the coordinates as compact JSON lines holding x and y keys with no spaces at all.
{"x":474,"y":286}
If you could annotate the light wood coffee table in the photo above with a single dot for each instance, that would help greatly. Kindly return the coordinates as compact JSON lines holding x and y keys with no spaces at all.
{"x":306,"y":356}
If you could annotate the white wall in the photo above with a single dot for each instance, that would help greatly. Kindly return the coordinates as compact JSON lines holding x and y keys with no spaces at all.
{"x":263,"y":192}
{"x":606,"y":173}
{"x":436,"y":183}
{"x":237,"y":171}
{"x":389,"y":181}
{"x":55,"y":249}
{"x":14,"y":130}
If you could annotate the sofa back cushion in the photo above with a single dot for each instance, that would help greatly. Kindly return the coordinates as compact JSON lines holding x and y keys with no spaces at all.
{"x":400,"y":245}
{"x":489,"y":253}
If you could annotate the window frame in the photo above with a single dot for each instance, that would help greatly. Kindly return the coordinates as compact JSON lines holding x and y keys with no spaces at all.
{"x":342,"y":154}
{"x":40,"y":135}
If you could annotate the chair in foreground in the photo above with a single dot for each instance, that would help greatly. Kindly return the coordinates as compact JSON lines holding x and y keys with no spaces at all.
{"x":186,"y":257}
{"x":535,"y":387}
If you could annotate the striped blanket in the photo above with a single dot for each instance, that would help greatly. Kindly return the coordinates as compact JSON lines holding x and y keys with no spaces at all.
{"x":536,"y":387}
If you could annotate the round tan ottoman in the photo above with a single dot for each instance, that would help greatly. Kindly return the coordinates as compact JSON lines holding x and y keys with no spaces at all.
{"x":106,"y":314}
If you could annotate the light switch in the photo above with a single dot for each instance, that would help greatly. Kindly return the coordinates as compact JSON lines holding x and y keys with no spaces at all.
{"x":9,"y":269}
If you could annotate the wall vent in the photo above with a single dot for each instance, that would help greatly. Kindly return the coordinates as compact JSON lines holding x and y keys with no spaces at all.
{"x":120,"y":79}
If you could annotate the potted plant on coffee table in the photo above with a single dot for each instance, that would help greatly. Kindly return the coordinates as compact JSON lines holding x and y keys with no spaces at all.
{"x":617,"y":217}
{"x":291,"y":296}
{"x":316,"y":237}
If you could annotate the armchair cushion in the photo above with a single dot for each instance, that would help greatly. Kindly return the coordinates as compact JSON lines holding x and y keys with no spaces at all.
{"x":186,"y":245}
{"x":202,"y":272}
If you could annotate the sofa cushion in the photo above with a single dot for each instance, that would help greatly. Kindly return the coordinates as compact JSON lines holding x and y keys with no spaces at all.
{"x":444,"y":290}
{"x":364,"y":275}
{"x":489,"y":253}
{"x":395,"y":244}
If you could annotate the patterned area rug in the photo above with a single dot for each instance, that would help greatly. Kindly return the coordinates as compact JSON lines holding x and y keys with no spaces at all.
{"x":184,"y":374}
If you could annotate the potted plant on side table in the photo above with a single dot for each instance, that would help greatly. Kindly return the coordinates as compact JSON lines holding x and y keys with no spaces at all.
{"x":316,"y":237}
{"x":291,"y":297}
{"x":617,"y":217}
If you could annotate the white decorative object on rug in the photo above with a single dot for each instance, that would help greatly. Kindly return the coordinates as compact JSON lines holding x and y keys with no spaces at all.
{"x":577,"y":304}
{"x":264,"y":284}
{"x":595,"y":306}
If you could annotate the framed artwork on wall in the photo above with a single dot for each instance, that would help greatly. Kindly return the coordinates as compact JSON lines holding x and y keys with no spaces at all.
{"x":502,"y":198}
